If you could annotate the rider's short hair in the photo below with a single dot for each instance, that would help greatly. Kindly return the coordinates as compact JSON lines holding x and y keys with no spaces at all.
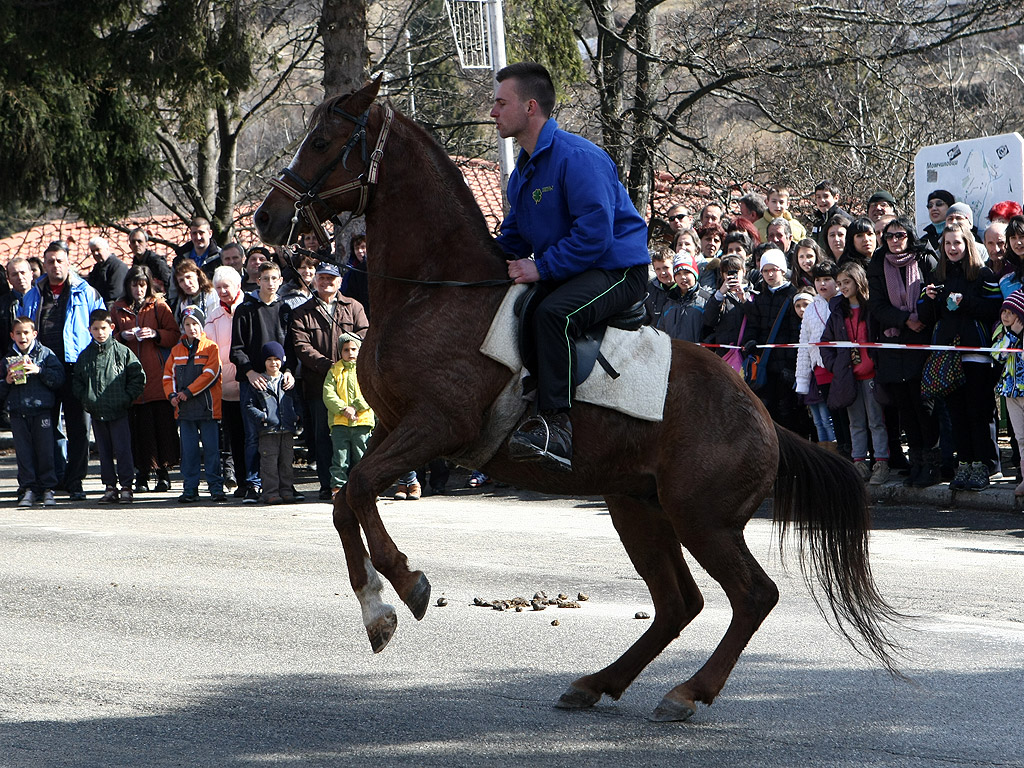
{"x":534,"y":82}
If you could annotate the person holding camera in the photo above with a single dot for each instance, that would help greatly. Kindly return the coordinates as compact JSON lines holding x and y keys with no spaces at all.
{"x":964,"y":301}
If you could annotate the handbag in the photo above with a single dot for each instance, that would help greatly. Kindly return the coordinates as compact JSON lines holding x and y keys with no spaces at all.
{"x":734,"y":357}
{"x":755,"y":368}
{"x":943,"y":372}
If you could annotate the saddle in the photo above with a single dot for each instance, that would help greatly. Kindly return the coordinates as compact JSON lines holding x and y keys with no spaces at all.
{"x":586,"y":348}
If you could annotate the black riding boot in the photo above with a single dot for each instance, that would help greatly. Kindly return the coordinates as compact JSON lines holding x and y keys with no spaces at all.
{"x":546,"y":438}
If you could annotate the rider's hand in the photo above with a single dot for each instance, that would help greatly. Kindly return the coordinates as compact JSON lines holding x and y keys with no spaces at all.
{"x":523,"y":271}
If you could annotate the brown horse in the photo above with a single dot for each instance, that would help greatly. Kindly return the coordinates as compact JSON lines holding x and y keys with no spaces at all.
{"x":431,"y":389}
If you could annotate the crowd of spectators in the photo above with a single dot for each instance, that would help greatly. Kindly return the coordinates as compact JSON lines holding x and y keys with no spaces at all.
{"x":765,"y":278}
{"x":278,"y":332}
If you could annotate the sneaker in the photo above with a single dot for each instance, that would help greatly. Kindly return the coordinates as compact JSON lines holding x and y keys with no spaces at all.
{"x":296,"y":495}
{"x":77,"y":496}
{"x":252,"y":495}
{"x":163,"y":485}
{"x":110,"y":496}
{"x":880,"y":473}
{"x":478,"y":479}
{"x":546,"y":438}
{"x":218,"y":498}
{"x":188,"y":498}
{"x":141,"y":485}
{"x":402,"y":493}
{"x":48,"y":500}
{"x":963,"y":474}
{"x":273,"y":500}
{"x":415,"y":491}
{"x":863,"y":470}
{"x":978,"y":478}
{"x":325,"y":494}
{"x":239,"y":492}
{"x":126,"y":496}
{"x":29,"y":498}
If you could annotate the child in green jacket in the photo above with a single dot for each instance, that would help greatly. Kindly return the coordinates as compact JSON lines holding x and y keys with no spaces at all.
{"x":107,"y":378}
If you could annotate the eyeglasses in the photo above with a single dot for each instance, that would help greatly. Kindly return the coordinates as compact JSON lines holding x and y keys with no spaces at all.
{"x":895,"y":235}
{"x":679,"y":217}
{"x":937,"y":204}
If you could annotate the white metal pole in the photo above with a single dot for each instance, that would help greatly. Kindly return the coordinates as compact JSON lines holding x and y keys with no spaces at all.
{"x":496,"y":19}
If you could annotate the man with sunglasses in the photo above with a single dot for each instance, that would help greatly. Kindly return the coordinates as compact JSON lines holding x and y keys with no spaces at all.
{"x":679,"y":218}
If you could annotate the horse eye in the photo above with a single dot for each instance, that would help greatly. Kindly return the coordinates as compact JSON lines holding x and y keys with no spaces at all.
{"x":320,"y":143}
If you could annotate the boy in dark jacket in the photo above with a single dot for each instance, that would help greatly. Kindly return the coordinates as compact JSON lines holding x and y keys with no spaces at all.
{"x":274,"y":411}
{"x":106,"y":379}
{"x":28,"y":381}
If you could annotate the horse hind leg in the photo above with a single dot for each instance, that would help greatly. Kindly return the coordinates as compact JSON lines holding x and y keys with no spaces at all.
{"x":379,"y":618}
{"x":654,"y":549}
{"x":724,"y":555}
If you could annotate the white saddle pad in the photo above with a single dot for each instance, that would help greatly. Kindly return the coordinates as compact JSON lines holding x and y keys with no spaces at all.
{"x":642,"y":359}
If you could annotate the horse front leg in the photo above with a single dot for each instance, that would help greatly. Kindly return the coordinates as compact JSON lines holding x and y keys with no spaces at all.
{"x":403,"y":448}
{"x":379,"y":618}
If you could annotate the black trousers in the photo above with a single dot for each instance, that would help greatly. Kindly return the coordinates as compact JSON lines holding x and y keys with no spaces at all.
{"x":565,"y":311}
{"x":972,"y":409}
{"x":72,"y":469}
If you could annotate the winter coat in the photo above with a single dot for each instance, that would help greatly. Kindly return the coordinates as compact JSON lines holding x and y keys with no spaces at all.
{"x":107,"y":277}
{"x":107,"y":378}
{"x":254,"y":324}
{"x":341,"y":389}
{"x":797,"y":229}
{"x":568,"y":208}
{"x":152,"y":353}
{"x":1011,"y":380}
{"x":659,"y":298}
{"x":194,"y":368}
{"x":218,"y":330}
{"x":314,"y":338}
{"x":273,"y":410}
{"x":684,"y":319}
{"x":761,"y":314}
{"x":842,"y":391}
{"x":977,"y":314}
{"x":38,"y":393}
{"x":811,"y":327}
{"x":723,"y":320}
{"x":82,"y":300}
{"x":818,"y":222}
{"x":897,"y":365}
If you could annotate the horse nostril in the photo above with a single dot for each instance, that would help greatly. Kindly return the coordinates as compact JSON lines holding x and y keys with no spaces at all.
{"x":262,"y":217}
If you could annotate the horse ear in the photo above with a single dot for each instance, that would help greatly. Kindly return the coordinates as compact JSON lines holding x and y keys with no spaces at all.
{"x":364,"y":97}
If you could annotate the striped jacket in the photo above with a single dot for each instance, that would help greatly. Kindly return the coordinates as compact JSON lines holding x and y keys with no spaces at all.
{"x":196,"y":369}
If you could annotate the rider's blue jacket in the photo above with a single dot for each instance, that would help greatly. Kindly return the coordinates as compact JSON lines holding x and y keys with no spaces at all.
{"x":568,"y":208}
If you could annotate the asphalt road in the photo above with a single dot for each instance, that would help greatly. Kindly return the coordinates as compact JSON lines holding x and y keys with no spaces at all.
{"x":162,"y":635}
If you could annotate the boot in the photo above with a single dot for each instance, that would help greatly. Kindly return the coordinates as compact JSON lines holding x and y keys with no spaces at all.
{"x":916,"y":467}
{"x":163,"y":481}
{"x":931,"y":469}
{"x":545,"y":438}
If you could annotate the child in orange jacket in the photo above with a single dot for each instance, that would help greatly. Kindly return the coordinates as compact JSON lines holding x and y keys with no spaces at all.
{"x":192,"y":384}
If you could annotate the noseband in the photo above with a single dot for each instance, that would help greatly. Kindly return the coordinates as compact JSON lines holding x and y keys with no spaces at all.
{"x":305,"y":194}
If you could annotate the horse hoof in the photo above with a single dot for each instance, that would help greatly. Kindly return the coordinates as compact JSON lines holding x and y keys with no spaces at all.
{"x":576,"y":698}
{"x":381,"y":630}
{"x":672,"y":711}
{"x":418,"y":597}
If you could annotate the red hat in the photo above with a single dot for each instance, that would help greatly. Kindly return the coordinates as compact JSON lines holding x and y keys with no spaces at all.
{"x":683,"y":261}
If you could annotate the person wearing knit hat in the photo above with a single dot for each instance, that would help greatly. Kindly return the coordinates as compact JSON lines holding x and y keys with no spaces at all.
{"x":686,"y":264}
{"x":272,"y":409}
{"x":939,"y":201}
{"x":1008,"y":335}
{"x":960,"y":212}
{"x":881,"y":203}
{"x":773,"y":257}
{"x":195,"y":313}
{"x":272,"y":349}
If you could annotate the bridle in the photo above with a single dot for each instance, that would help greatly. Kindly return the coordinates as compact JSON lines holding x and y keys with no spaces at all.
{"x":305,"y":194}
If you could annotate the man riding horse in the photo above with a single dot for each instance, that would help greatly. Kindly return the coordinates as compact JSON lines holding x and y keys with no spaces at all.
{"x":569,"y":210}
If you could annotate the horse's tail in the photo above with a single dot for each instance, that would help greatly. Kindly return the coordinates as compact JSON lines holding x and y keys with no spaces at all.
{"x":822,"y":495}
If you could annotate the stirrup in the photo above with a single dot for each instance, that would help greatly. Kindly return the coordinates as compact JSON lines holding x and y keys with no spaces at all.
{"x":521,"y":449}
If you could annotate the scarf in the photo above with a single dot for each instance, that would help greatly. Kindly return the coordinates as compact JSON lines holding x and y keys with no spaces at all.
{"x":229,"y":304}
{"x":903,"y":291}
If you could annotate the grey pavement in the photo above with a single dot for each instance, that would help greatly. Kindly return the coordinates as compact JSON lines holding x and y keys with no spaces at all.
{"x":211,"y":636}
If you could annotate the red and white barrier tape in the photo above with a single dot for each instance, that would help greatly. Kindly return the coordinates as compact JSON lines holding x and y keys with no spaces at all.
{"x":871,"y":345}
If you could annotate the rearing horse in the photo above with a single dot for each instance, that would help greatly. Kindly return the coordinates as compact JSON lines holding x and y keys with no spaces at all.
{"x":421,"y":370}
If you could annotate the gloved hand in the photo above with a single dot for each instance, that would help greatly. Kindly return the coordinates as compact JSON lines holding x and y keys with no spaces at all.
{"x":750,"y":348}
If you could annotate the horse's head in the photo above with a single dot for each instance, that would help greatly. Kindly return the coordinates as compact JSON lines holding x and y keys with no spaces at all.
{"x":333,"y":170}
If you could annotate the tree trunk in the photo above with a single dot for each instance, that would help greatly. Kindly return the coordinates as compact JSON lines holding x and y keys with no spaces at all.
{"x":224,"y":207}
{"x":346,"y":56}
